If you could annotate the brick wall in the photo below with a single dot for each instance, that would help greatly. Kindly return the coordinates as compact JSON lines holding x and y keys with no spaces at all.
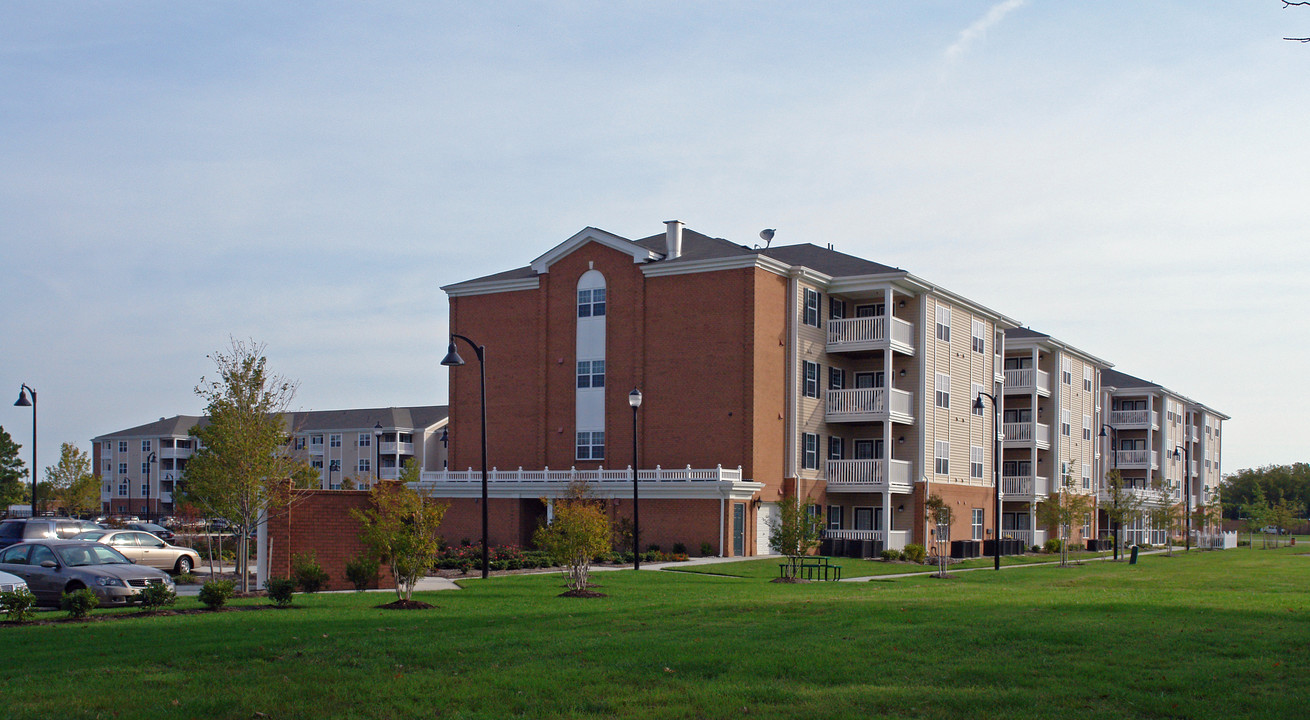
{"x":320,"y":521}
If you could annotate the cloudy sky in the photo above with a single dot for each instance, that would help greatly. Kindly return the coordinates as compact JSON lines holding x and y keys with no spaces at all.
{"x":1129,"y":177}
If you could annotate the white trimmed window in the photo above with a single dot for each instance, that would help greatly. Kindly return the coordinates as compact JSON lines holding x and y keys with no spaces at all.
{"x":122,"y":489}
{"x":1087,"y":378}
{"x":591,"y":303}
{"x":145,"y":468}
{"x":836,"y":309}
{"x":836,"y":448}
{"x":145,"y":446}
{"x":834,"y":517}
{"x":941,"y":455}
{"x":316,"y":463}
{"x":334,"y":440}
{"x":591,"y":373}
{"x":365,"y":440}
{"x":836,"y":378}
{"x":976,"y":462}
{"x":122,"y":468}
{"x":1066,"y":370}
{"x":811,"y":310}
{"x":1087,"y":524}
{"x":942,"y":386}
{"x":1087,"y":427}
{"x":109,"y":466}
{"x":145,"y":489}
{"x":943,"y":323}
{"x":1087,"y":476}
{"x":810,"y":384}
{"x":109,"y":446}
{"x":364,"y":465}
{"x":977,"y":523}
{"x":122,"y":444}
{"x":316,"y":442}
{"x":591,"y":445}
{"x":979,"y":332}
{"x":1065,"y":417}
{"x":975,"y":392}
{"x":810,"y":453}
{"x":300,"y":443}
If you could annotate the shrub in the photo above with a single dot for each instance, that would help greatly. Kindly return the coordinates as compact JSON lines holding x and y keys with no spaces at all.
{"x":17,"y":605}
{"x":362,"y":571}
{"x":308,"y":573}
{"x":1036,"y":548}
{"x":915,"y":553}
{"x":652,"y":548}
{"x":185,"y":579}
{"x":215,"y":593}
{"x":706,"y":549}
{"x":1052,"y":546}
{"x":890,"y":555}
{"x":280,"y":590}
{"x":155,"y":596}
{"x":79,"y":603}
{"x":679,"y":549}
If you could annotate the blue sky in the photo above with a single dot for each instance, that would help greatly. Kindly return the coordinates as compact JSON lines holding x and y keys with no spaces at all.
{"x":1128,"y":177}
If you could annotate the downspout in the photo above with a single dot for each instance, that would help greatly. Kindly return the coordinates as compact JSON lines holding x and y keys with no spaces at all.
{"x":792,"y":383}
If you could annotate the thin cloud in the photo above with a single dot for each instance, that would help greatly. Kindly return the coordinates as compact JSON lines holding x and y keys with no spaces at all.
{"x":980,"y":28}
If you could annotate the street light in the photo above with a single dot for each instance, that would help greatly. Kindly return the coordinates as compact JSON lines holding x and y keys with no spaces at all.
{"x":377,"y":450}
{"x":453,"y":359}
{"x":996,"y":471}
{"x":1114,"y":453}
{"x":634,"y":400}
{"x":1187,"y":491}
{"x":150,"y":460}
{"x":23,"y":402}
{"x":332,"y":465}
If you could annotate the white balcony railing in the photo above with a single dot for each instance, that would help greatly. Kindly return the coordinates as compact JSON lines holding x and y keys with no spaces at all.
{"x":869,"y":472}
{"x":856,"y":534}
{"x":1026,"y":536}
{"x":659,"y":474}
{"x":175,"y":453}
{"x":858,"y":402}
{"x":869,"y":331}
{"x":1126,"y":418}
{"x":1025,"y":486}
{"x":1137,"y":458}
{"x":392,"y":448}
{"x":1025,"y":432}
{"x":1027,"y":379}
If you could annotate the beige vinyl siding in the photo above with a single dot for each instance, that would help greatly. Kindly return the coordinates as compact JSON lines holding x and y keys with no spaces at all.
{"x":811,"y":347}
{"x":956,"y":424}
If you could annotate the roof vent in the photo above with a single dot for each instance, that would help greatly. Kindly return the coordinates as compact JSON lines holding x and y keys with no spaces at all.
{"x":672,"y":239}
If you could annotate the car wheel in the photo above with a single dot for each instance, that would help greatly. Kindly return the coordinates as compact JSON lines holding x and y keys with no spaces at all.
{"x":183,"y":565}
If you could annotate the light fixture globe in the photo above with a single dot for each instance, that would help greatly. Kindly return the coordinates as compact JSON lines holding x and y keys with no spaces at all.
{"x":22,"y":400}
{"x":452,"y":358}
{"x":634,"y":399}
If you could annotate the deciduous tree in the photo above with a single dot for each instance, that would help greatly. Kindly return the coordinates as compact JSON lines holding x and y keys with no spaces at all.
{"x":939,"y":513}
{"x":793,"y":531}
{"x":1066,"y":508}
{"x":12,"y":472}
{"x":578,"y":531}
{"x":1122,"y":506}
{"x":75,"y":487}
{"x":401,"y":529}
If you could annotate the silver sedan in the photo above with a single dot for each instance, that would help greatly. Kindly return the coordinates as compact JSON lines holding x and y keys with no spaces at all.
{"x":54,"y":567}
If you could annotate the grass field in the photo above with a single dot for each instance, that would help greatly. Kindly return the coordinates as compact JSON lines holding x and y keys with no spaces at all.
{"x":767,"y":568}
{"x":1208,"y":635}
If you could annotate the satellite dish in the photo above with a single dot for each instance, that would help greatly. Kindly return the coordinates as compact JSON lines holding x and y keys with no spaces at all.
{"x":767,"y":236}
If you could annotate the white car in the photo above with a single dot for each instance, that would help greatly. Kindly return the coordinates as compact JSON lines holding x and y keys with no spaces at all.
{"x":11,"y":583}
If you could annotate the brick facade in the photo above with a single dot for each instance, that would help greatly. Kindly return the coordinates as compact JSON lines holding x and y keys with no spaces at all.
{"x":320,"y":521}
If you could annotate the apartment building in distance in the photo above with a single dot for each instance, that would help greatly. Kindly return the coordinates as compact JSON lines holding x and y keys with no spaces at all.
{"x":1051,"y":423}
{"x":766,"y":373}
{"x":139,"y":467}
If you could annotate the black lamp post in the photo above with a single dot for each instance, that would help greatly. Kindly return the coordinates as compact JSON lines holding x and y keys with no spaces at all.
{"x":453,"y":359}
{"x":634,"y":400}
{"x":150,"y":460}
{"x":996,"y":471}
{"x":1187,"y":492}
{"x":23,"y":402}
{"x":377,"y":451}
{"x":1114,"y":454}
{"x":332,"y":465}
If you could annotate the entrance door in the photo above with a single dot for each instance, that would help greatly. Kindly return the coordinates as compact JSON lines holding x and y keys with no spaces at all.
{"x":738,"y":529}
{"x":763,"y":517}
{"x":870,"y":379}
{"x":868,"y":518}
{"x":869,"y":449}
{"x":870,"y":310}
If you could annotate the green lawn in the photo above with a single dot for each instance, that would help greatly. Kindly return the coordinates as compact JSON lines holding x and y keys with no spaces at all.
{"x":767,"y":569}
{"x":1208,"y":635}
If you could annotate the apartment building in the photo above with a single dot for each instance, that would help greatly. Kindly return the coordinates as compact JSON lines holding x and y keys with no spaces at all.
{"x":1154,"y":435}
{"x":766,"y":373}
{"x":140,"y":466}
{"x":1051,"y":423}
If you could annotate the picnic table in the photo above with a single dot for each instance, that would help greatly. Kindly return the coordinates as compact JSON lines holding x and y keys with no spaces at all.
{"x":810,"y":567}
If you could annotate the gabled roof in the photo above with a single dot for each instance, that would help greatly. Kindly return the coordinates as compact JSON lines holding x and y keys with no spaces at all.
{"x":176,"y":426}
{"x":1117,"y":379}
{"x":826,"y":261}
{"x":590,"y":234}
{"x":1023,"y":333}
{"x":393,"y":418}
{"x":1026,"y":336}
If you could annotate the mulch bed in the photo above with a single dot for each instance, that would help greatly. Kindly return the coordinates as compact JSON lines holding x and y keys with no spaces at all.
{"x":129,"y":616}
{"x":406,"y":605}
{"x":582,"y":594}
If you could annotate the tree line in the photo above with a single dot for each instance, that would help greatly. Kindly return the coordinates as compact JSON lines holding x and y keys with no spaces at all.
{"x":1269,"y":485}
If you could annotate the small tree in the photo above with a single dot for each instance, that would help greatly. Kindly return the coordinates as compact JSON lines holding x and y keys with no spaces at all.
{"x":1257,"y":514}
{"x":793,"y":532}
{"x":12,"y":473}
{"x":1206,"y":516}
{"x":74,"y":486}
{"x":938,"y":512}
{"x":1066,"y":508}
{"x":1123,"y":506}
{"x":1281,"y":516}
{"x":1163,"y":513}
{"x":401,"y":529}
{"x":578,"y":531}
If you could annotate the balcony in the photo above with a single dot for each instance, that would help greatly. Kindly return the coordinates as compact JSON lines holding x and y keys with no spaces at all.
{"x":390,"y":473}
{"x":1137,"y":459}
{"x":998,"y":363}
{"x":870,"y":333}
{"x":1134,"y":419}
{"x":1020,"y":434}
{"x":175,"y":453}
{"x":1025,"y":487}
{"x":869,"y":476}
{"x":1193,"y":435}
{"x":396,"y":448}
{"x":1025,"y":380}
{"x":686,"y":482}
{"x":868,"y":405}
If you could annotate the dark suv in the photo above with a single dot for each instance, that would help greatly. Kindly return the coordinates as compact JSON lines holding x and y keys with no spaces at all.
{"x":18,"y":530}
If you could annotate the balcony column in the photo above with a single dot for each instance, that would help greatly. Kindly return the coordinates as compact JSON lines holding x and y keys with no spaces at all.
{"x":887,"y":513}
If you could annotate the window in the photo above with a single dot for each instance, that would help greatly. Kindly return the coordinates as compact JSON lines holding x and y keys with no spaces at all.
{"x":1066,"y":370}
{"x":941,"y":455}
{"x":836,"y":308}
{"x":1087,"y":378}
{"x":145,"y":489}
{"x":300,"y":443}
{"x":943,"y":388}
{"x":109,"y":446}
{"x":365,"y":440}
{"x":316,"y":463}
{"x":979,"y":332}
{"x":1087,"y":427}
{"x":811,"y":307}
{"x":591,"y":373}
{"x":836,"y":446}
{"x":591,"y":445}
{"x":122,"y":489}
{"x":145,"y":468}
{"x":836,"y":378}
{"x":834,"y":517}
{"x":810,"y":455}
{"x":811,"y":380}
{"x":122,"y":446}
{"x":943,"y":323}
{"x":122,"y":468}
{"x":109,"y":466}
{"x":334,"y":440}
{"x":316,"y":441}
{"x":977,"y":523}
{"x":1065,"y":428}
{"x":975,"y":392}
{"x":591,"y":303}
{"x":145,"y":446}
{"x":1087,"y":476}
{"x":364,"y":465}
{"x":1087,"y":524}
{"x":976,"y":462}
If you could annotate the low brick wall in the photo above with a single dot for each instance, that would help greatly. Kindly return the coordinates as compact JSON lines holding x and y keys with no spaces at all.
{"x":320,"y":521}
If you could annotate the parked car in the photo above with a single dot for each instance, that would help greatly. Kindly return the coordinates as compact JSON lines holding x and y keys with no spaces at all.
{"x":144,"y":548}
{"x":20,"y":529}
{"x":53,"y":567}
{"x":158,"y":531}
{"x":11,"y":583}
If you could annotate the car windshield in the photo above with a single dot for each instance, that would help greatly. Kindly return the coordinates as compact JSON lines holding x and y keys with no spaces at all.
{"x":90,"y":535}
{"x":78,"y":555}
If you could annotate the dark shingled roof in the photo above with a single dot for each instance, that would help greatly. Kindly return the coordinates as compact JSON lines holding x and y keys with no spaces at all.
{"x":176,"y":426}
{"x":365,"y":418}
{"x":829,"y":262}
{"x":522,"y":273}
{"x":695,"y":246}
{"x":1114,"y":378}
{"x":1019,"y":333}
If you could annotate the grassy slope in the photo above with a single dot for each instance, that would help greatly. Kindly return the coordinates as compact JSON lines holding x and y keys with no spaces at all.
{"x":1217,"y":635}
